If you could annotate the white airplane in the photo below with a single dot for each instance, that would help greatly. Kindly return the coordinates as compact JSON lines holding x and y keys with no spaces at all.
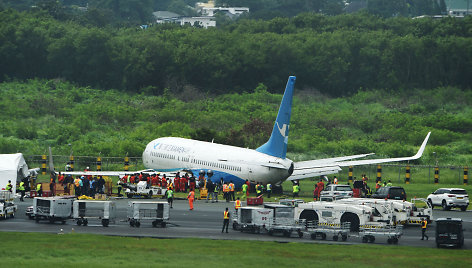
{"x":266,"y":164}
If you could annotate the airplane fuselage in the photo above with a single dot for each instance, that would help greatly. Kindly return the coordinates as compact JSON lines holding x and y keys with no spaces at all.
{"x":228,"y":162}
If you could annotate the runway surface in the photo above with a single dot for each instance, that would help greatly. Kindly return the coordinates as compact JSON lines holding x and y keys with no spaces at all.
{"x":205,"y":221}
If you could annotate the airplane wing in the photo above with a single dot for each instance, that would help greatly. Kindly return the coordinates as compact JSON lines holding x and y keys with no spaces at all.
{"x":113,"y":173}
{"x":313,"y":168}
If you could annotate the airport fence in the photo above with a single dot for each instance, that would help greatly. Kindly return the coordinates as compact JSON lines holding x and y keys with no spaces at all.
{"x":397,"y":173}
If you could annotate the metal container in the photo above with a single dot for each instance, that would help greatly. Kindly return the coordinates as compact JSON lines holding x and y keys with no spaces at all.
{"x":85,"y":210}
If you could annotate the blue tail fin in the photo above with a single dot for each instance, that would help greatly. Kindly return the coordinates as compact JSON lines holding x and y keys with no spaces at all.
{"x":277,"y":144}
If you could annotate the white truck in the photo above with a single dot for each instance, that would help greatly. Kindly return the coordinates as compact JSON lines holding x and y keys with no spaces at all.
{"x":142,"y":189}
{"x":335,"y":214}
{"x":85,"y":210}
{"x":7,"y":207}
{"x":52,"y":209}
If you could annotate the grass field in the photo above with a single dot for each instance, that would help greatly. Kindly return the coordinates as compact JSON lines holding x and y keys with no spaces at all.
{"x":83,"y":250}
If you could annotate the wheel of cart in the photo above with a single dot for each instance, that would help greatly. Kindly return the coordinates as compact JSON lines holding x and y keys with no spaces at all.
{"x":105,"y":222}
{"x":323,"y":236}
{"x":235,"y":226}
{"x":157,"y":222}
{"x":300,"y":233}
{"x":392,"y":240}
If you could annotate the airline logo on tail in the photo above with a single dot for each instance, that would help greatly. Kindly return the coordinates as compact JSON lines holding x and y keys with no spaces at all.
{"x":277,"y":144}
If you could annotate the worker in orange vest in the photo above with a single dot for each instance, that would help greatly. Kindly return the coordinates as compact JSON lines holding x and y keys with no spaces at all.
{"x":225,"y":220}
{"x":191,"y":197}
{"x":231,"y":191}
{"x":237,"y":204}
{"x":226,"y":192}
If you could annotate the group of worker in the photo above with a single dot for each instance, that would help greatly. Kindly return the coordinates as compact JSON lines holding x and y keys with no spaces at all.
{"x":178,"y":183}
{"x":89,"y":185}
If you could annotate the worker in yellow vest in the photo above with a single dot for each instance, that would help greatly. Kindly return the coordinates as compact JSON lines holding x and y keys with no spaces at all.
{"x":39,"y":189}
{"x":424,"y":224}
{"x":225,"y":220}
{"x":237,"y":204}
{"x":296,"y":190}
{"x":21,"y":188}
{"x":9,"y":186}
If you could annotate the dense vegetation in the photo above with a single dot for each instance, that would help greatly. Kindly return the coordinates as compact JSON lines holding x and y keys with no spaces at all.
{"x":335,"y":55}
{"x":41,"y":113}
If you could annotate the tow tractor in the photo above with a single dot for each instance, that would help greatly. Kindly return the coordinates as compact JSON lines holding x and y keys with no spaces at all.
{"x":142,"y":189}
{"x":418,"y":213}
{"x":7,"y":207}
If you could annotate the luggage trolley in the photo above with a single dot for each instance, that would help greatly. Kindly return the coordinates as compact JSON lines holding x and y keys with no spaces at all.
{"x":52,"y":209}
{"x":155,"y":211}
{"x":391,"y":232}
{"x":324,"y":230}
{"x":253,"y":219}
{"x":84,"y":210}
{"x":284,"y":222}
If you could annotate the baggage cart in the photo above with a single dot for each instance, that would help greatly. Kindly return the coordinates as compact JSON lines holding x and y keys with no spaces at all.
{"x":52,"y":209}
{"x":284,"y":222}
{"x":254,"y":201}
{"x":85,"y":210}
{"x":391,"y":232}
{"x":253,"y":219}
{"x":335,"y":231}
{"x":156,"y":212}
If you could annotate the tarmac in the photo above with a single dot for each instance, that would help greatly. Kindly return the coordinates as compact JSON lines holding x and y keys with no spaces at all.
{"x":206,"y":221}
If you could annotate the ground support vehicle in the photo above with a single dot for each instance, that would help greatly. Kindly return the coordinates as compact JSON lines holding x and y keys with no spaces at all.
{"x":449,"y":198}
{"x":449,"y":232}
{"x":143,"y":190}
{"x":52,"y":209}
{"x":387,"y":211}
{"x":85,"y":210}
{"x":7,"y":206}
{"x":325,"y":230}
{"x":284,"y":222}
{"x":418,"y":213}
{"x":253,"y":219}
{"x":291,"y":202}
{"x":337,"y":213}
{"x":157,"y":212}
{"x":391,"y":232}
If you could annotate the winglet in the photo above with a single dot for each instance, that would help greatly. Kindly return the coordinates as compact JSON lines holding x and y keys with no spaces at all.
{"x":423,"y":146}
{"x":277,"y":143}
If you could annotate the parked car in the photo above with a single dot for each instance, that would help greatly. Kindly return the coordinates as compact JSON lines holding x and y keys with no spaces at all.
{"x":390,"y":192}
{"x":449,"y":232}
{"x":336,"y":191}
{"x":448,"y":198}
